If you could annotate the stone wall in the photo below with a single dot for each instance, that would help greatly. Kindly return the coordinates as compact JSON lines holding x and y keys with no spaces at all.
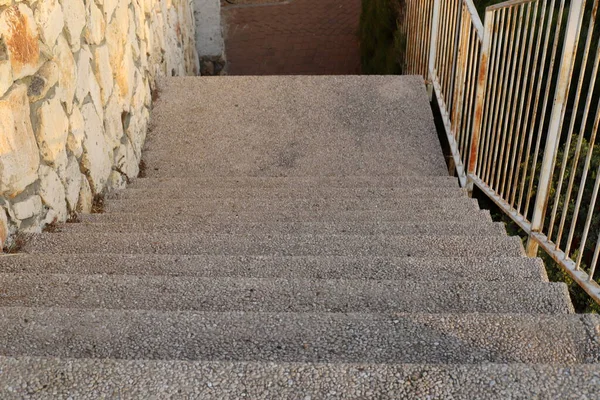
{"x":76,"y":84}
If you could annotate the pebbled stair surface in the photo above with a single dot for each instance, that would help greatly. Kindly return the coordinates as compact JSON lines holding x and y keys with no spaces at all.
{"x":294,"y":237}
{"x":143,"y":379}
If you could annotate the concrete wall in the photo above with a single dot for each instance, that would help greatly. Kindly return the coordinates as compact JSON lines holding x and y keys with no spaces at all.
{"x":76,"y":78}
{"x":209,"y":36}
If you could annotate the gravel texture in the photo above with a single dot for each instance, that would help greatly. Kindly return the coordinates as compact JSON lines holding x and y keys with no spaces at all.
{"x":422,"y":269}
{"x":174,"y":216}
{"x":212,"y":182}
{"x":270,"y":205}
{"x":193,"y":193}
{"x":276,"y":245}
{"x":297,"y":227}
{"x":294,"y":126}
{"x":280,"y":295}
{"x":42,"y":378}
{"x":300,"y":337}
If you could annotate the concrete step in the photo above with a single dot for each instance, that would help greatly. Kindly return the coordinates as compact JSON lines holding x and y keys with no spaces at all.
{"x":275,"y":245}
{"x":401,"y":205}
{"x":304,"y":125}
{"x":330,"y":193}
{"x":280,"y":227}
{"x":280,"y":295}
{"x":36,"y":377}
{"x":421,"y":269}
{"x":300,"y":337}
{"x":173,"y":216}
{"x":197,"y":183}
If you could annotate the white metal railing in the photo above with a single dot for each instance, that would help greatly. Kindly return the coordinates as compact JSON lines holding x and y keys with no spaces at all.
{"x":520,"y":102}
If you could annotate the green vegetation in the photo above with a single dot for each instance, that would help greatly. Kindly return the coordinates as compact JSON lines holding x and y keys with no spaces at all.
{"x":482,"y":4}
{"x":581,"y":301}
{"x":381,"y":43}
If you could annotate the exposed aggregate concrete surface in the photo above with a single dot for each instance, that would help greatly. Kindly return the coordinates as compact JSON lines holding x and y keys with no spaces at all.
{"x":293,"y":238}
{"x":318,"y":267}
{"x":40,"y":378}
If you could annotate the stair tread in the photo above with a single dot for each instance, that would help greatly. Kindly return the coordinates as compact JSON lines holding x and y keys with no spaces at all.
{"x":298,"y":227}
{"x":223,"y":244}
{"x":300,"y":337}
{"x":318,"y":192}
{"x":23,"y":376}
{"x":175,"y":216}
{"x":170,"y":293}
{"x":281,"y":182}
{"x":408,"y":205}
{"x":332,"y":267}
{"x":295,"y":125}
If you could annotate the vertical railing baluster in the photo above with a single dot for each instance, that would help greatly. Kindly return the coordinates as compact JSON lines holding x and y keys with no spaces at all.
{"x":435,"y":26}
{"x":492,"y":73}
{"x":528,"y":85}
{"x":588,"y":221}
{"x":480,"y":97}
{"x":556,"y":120}
{"x":546,"y":98}
{"x":571,"y":130}
{"x":461,"y":70}
{"x":596,"y":255}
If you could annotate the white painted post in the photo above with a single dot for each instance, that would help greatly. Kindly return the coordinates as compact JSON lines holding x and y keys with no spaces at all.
{"x":482,"y":79}
{"x":565,"y":72}
{"x":435,"y":27}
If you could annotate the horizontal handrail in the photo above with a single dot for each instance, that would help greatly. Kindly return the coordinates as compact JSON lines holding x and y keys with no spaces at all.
{"x":508,"y":4}
{"x":475,"y":19}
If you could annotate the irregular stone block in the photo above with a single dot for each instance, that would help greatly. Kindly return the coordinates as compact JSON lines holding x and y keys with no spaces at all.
{"x":97,"y":155}
{"x":139,"y":21}
{"x":113,"y":122}
{"x":50,"y":20}
{"x":42,"y":81}
{"x":19,"y":153}
{"x":86,"y":197}
{"x":84,"y":71}
{"x":76,"y":133}
{"x":51,"y":131}
{"x":52,"y":192}
{"x":139,"y":93}
{"x":6,"y":79}
{"x":95,"y":27}
{"x":110,"y":6}
{"x":103,"y":72}
{"x":74,"y":12}
{"x":95,"y":94}
{"x":27,"y":208}
{"x":127,"y":161}
{"x":120,"y":54}
{"x":67,"y":76}
{"x":72,"y":182}
{"x":116,"y":181}
{"x":20,"y":35}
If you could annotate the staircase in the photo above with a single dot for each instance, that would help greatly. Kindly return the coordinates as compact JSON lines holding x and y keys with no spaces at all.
{"x":294,"y":237}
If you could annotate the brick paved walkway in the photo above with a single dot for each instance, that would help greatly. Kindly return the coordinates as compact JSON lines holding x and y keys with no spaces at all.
{"x":311,"y":37}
